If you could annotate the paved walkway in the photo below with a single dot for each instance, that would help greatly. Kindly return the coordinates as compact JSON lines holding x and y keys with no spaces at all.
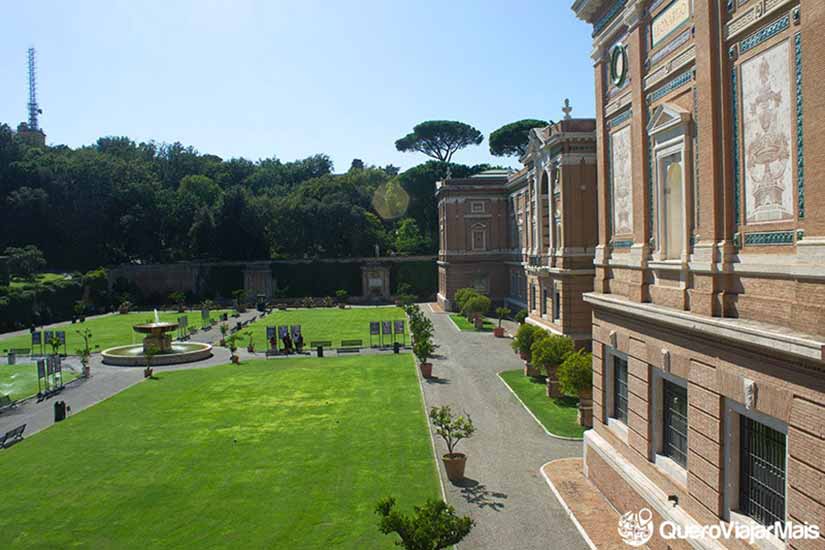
{"x":505,"y":492}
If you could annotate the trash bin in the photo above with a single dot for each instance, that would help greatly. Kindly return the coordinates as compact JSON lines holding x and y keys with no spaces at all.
{"x":320,"y":351}
{"x":12,"y":358}
{"x":59,"y":411}
{"x":396,"y":347}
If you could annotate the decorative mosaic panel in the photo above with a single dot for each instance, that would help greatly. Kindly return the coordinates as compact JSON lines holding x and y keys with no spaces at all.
{"x":764,"y":33}
{"x":769,"y":238}
{"x":622,"y":179}
{"x":766,"y":135}
{"x":605,"y":19}
{"x":800,"y":148}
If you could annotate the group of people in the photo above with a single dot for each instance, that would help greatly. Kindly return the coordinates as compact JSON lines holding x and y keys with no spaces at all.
{"x":289,"y":345}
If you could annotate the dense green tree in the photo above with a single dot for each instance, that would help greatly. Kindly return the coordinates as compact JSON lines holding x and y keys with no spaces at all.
{"x":409,"y":240}
{"x":511,"y":139}
{"x":439,"y":139}
{"x":25,"y":261}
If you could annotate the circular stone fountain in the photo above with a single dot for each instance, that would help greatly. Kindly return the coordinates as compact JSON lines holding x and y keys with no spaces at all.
{"x":166,"y":352}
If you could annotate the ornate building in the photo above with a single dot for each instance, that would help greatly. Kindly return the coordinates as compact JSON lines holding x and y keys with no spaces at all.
{"x":527,"y":238}
{"x":708,"y":313}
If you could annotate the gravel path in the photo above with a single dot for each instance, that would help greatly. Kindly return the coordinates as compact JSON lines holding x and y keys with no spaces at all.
{"x":504,"y":491}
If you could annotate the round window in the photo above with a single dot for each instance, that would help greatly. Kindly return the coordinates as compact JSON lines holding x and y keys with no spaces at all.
{"x":618,"y":64}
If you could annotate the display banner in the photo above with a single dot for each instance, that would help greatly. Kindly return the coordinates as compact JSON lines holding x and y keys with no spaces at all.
{"x":375,"y":328}
{"x":399,"y":327}
{"x":386,"y":327}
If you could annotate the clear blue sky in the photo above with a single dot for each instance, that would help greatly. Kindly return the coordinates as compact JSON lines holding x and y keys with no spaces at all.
{"x":291,"y":79}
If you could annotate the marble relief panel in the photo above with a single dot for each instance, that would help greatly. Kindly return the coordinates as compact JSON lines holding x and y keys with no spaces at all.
{"x":767,"y":130}
{"x":622,"y":180}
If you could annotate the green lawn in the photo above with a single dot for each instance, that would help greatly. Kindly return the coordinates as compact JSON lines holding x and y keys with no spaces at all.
{"x":333,"y":324}
{"x":463,"y":324}
{"x":558,"y":416}
{"x":107,"y":331}
{"x":268,"y":454}
{"x":17,"y":282}
{"x":20,"y":380}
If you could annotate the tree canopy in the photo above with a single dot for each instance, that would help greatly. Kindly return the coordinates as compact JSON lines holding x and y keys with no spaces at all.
{"x":439,"y":139}
{"x":511,"y":139}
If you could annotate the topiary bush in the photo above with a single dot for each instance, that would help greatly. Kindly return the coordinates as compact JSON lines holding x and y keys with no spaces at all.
{"x":521,"y":315}
{"x":523,"y":341}
{"x":576,"y":373}
{"x":462,"y":295}
{"x":550,"y":351}
{"x":430,"y":527}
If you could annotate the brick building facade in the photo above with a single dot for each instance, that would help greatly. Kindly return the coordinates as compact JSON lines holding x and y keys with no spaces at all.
{"x":527,"y":238}
{"x":708,"y":314}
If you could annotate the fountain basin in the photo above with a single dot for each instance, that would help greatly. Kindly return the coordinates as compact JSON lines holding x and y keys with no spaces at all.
{"x":178,"y":352}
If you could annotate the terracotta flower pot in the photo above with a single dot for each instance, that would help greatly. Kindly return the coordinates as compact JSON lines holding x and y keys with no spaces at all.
{"x":523,"y":356}
{"x":454,"y":464}
{"x":553,"y":385}
{"x":236,"y":359}
{"x":530,"y":370}
{"x":498,"y":332}
{"x":426,"y":369}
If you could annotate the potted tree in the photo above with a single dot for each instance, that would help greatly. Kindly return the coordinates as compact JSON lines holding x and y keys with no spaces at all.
{"x":224,"y":328}
{"x":179,"y":299}
{"x":240,"y":300}
{"x":452,"y":430}
{"x":576,"y":378}
{"x":232,"y":342}
{"x":148,"y":355}
{"x":85,"y":352}
{"x":250,"y":345}
{"x":521,"y":316}
{"x":423,"y":348}
{"x":523,"y":343}
{"x":462,"y":295}
{"x":432,"y":526}
{"x":475,"y":308}
{"x":501,"y":313}
{"x":342,"y":296}
{"x":548,"y":354}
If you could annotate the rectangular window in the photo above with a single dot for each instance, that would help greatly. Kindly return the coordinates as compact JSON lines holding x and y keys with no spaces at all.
{"x":762,"y":470}
{"x":544,"y":301}
{"x":620,"y":389}
{"x":672,"y":218}
{"x":477,"y":207}
{"x":675,"y":423}
{"x":479,"y":239}
{"x":556,"y":304}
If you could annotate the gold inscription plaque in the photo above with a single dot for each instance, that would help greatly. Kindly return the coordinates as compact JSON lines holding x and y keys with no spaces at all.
{"x":668,"y":20}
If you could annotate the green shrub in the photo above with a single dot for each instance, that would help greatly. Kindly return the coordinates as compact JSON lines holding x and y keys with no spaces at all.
{"x":525,"y":336}
{"x":476,"y":306}
{"x":521,"y":316}
{"x":462,"y":295}
{"x":576,"y":372}
{"x":501,"y":313}
{"x":430,"y":527}
{"x":550,"y":351}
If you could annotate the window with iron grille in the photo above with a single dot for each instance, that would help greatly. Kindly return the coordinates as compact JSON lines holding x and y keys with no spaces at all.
{"x":675,"y":423}
{"x":762,"y":470}
{"x":620,"y":389}
{"x":556,"y":305}
{"x":544,"y":301}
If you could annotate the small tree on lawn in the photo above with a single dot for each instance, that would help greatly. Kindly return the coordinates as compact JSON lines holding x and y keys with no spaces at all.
{"x":179,"y":299}
{"x":232,"y":343}
{"x":342,"y":296}
{"x":450,"y":427}
{"x":548,"y":353}
{"x":576,"y":378}
{"x":475,"y":308}
{"x":525,"y":336}
{"x":224,"y":328}
{"x":85,"y":352}
{"x":462,"y":295}
{"x":501,"y":313}
{"x":432,"y":526}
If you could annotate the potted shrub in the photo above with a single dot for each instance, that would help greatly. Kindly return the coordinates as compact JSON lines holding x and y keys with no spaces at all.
{"x":548,"y":354}
{"x":179,"y":299}
{"x":462,"y":295}
{"x":521,"y":316}
{"x":576,"y":378}
{"x":475,"y":308}
{"x":85,"y":352}
{"x":423,"y":348}
{"x":148,"y":355}
{"x":124,"y":307}
{"x":79,"y":311}
{"x":327,"y":301}
{"x":452,"y":430}
{"x":240,"y":300}
{"x":432,"y":526}
{"x":342,"y":296}
{"x":224,"y":331}
{"x":232,"y":343}
{"x":501,"y":313}
{"x":523,"y":343}
{"x":250,"y":344}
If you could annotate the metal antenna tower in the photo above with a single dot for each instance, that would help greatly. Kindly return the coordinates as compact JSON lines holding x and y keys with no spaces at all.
{"x":34,"y":109}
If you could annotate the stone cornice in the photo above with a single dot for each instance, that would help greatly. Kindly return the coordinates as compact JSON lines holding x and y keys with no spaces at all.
{"x":740,"y":331}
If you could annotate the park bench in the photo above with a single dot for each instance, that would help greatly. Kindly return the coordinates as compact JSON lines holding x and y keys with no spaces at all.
{"x":12,"y":436}
{"x":350,"y":346}
{"x":6,"y":403}
{"x":322,"y":343}
{"x":21,"y":351}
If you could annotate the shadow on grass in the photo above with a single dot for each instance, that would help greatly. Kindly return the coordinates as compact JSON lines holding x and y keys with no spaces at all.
{"x":477,"y":493}
{"x":563,"y":401}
